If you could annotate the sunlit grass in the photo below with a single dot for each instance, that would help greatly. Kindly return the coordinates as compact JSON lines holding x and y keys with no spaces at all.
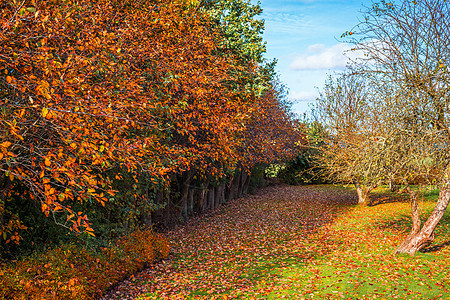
{"x":350,"y":257}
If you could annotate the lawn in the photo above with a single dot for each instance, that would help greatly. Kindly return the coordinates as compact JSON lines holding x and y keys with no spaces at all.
{"x":308,"y":242}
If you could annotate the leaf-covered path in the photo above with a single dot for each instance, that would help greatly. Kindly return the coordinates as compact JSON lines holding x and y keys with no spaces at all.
{"x":249,"y":241}
{"x":296,"y":242}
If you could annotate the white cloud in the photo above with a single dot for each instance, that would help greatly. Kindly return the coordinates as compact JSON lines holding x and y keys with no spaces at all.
{"x":318,"y":57}
{"x":303,"y":96}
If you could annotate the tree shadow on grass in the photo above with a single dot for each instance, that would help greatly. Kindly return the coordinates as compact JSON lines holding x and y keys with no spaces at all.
{"x":385,"y":198}
{"x":401,"y":224}
{"x":435,"y":248}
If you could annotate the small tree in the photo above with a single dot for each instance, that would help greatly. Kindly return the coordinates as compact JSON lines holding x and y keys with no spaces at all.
{"x":344,"y":109}
{"x":406,"y":45}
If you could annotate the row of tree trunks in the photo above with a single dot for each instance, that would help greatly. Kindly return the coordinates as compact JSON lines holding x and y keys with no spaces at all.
{"x":197,"y":198}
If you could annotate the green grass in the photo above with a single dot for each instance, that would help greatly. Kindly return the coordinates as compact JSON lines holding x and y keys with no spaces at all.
{"x":349,"y":257}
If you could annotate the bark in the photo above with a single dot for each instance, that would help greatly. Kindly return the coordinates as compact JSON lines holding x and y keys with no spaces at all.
{"x":247,"y":183}
{"x":184,"y":193}
{"x":393,"y":187}
{"x":222,"y":194}
{"x":201,"y":199}
{"x":190,"y":206}
{"x":211,"y":198}
{"x":244,"y":182}
{"x":363,"y":193}
{"x":234,"y":186}
{"x":217,"y":196}
{"x":242,"y":178}
{"x":418,"y":240}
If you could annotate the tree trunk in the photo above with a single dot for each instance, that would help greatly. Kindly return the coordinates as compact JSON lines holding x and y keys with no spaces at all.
{"x":217,"y":197}
{"x":234,"y":186}
{"x":222,"y":193}
{"x":211,"y":198}
{"x":363,"y":193}
{"x":184,"y":193}
{"x":201,"y":199}
{"x":421,"y":239}
{"x":393,"y":187}
{"x":190,"y":208}
{"x":241,"y":183}
{"x":246,"y":183}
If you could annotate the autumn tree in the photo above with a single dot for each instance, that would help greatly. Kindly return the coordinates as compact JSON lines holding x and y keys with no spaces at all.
{"x":344,"y":109}
{"x":88,"y":89}
{"x":406,"y":45}
{"x":126,"y":103}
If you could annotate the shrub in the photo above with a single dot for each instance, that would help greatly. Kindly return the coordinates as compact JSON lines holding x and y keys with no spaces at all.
{"x":74,"y":272}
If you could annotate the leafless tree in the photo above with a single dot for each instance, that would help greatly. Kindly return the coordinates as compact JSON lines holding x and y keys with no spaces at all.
{"x":407,"y":46}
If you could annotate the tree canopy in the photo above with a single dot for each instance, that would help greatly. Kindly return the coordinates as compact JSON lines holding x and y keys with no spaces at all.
{"x":100,"y":98}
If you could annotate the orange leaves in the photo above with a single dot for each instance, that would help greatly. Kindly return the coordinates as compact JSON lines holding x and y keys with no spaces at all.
{"x":142,"y":87}
{"x":74,"y":272}
{"x":5,"y":145}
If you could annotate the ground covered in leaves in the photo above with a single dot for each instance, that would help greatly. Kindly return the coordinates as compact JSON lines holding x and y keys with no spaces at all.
{"x":298,"y":242}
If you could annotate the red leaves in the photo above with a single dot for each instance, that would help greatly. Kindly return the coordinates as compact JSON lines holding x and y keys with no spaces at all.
{"x":242,"y":250}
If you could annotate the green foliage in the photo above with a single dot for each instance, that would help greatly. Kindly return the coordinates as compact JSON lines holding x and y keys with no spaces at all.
{"x":240,"y":28}
{"x":241,"y":31}
{"x":302,"y":169}
{"x":273,"y":170}
{"x":257,"y":178}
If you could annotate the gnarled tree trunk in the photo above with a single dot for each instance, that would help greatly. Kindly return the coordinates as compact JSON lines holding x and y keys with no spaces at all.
{"x":419,"y":239}
{"x":363,"y":193}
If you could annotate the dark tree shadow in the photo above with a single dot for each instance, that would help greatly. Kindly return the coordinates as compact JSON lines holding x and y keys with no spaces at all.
{"x":378,"y":199}
{"x":435,"y":248}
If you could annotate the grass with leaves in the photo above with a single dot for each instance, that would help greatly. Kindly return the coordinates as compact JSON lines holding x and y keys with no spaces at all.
{"x":310,"y":242}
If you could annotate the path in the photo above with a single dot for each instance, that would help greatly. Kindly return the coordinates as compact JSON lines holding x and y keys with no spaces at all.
{"x":241,"y":249}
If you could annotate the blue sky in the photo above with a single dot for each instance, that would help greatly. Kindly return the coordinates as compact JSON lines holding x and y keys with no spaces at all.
{"x":304,"y":36}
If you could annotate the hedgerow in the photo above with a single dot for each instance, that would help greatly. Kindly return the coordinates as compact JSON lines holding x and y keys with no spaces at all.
{"x":74,"y":272}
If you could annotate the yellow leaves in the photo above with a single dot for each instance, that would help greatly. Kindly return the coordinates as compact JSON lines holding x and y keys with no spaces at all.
{"x":21,"y":113}
{"x":47,"y":162}
{"x":44,"y":112}
{"x":9,"y":79}
{"x":43,"y":89}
